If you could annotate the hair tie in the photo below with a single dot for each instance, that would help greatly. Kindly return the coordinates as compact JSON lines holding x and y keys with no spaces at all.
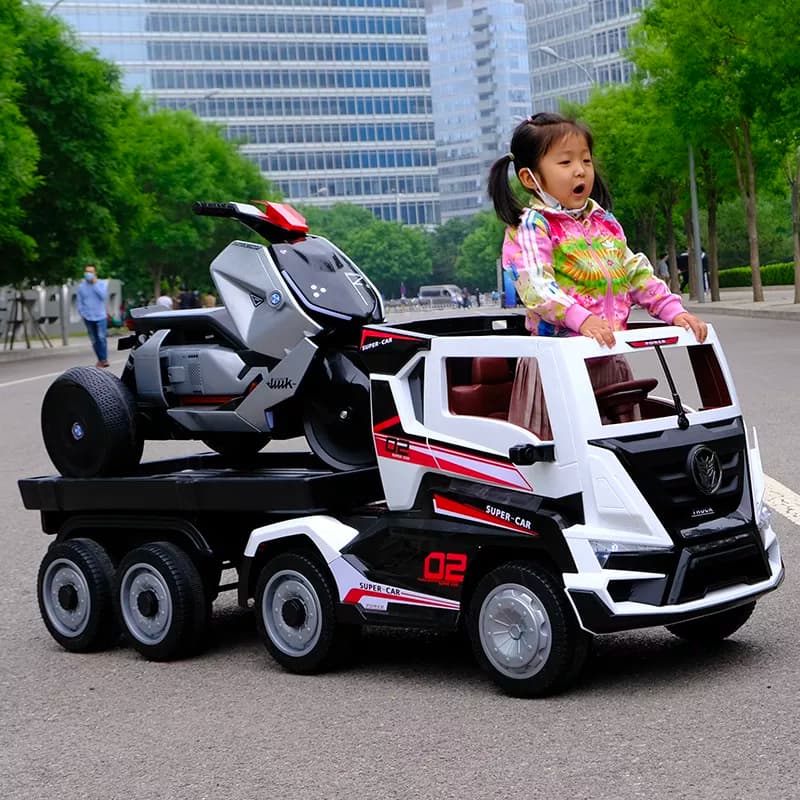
{"x":510,"y":156}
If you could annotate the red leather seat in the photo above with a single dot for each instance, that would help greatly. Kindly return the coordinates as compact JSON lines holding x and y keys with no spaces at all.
{"x":489,"y":394}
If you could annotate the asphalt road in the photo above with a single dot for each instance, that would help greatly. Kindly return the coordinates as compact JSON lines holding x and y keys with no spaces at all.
{"x":413,"y":718}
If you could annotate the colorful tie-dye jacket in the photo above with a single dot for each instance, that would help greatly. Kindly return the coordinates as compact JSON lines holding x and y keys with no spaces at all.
{"x":566,"y":269}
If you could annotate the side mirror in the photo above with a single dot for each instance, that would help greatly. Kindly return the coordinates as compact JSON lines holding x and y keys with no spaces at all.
{"x":526,"y":454}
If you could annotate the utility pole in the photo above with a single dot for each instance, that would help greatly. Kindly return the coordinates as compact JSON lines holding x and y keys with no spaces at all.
{"x":698,"y":259}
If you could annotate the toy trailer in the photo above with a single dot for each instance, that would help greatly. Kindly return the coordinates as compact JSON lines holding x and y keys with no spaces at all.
{"x":637,"y":503}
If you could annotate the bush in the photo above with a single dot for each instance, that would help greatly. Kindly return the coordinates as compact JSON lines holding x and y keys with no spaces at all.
{"x":771,"y":275}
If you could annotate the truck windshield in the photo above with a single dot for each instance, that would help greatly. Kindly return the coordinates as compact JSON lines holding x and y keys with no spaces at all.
{"x":657,"y":381}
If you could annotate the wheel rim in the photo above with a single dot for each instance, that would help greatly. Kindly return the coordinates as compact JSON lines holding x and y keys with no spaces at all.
{"x":66,"y":598}
{"x":515,"y":631}
{"x":146,"y":604}
{"x":292,"y":614}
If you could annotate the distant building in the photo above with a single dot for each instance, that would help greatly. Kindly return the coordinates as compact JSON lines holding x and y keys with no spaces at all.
{"x":586,"y":38}
{"x":480,"y":88}
{"x":332,"y":97}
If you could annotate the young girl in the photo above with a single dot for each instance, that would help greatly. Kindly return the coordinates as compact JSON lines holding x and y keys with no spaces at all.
{"x":568,"y":256}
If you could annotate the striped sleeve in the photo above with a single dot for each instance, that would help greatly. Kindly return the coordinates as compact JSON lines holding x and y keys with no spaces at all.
{"x":534,"y":275}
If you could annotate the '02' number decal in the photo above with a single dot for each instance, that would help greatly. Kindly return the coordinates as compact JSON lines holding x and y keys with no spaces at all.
{"x":446,"y":569}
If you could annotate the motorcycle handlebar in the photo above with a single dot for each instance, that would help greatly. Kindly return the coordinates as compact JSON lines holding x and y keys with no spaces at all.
{"x":203,"y":209}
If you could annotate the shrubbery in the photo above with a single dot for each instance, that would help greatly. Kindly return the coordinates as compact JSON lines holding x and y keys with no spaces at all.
{"x":771,"y":275}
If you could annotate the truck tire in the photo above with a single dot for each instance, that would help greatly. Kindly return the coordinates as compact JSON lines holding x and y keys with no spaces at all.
{"x":89,"y":424}
{"x":74,"y":588}
{"x":161,"y":602}
{"x":524,"y":632}
{"x":714,"y":627}
{"x":296,"y":615}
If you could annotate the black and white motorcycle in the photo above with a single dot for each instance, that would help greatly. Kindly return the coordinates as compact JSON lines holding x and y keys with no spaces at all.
{"x":278,"y":360}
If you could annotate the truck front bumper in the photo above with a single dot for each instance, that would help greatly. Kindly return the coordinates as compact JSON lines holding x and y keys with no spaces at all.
{"x":598,"y":612}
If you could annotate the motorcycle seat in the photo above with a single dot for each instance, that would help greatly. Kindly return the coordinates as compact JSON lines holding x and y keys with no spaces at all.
{"x":187,"y":320}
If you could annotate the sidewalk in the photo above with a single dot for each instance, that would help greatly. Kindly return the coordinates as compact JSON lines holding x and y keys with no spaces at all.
{"x":79,"y":347}
{"x":778,"y":304}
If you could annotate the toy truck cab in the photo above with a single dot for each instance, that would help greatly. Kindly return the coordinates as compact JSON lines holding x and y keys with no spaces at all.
{"x":644,"y":506}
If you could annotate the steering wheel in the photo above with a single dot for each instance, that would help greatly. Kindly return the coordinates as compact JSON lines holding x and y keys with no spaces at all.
{"x":619,"y":397}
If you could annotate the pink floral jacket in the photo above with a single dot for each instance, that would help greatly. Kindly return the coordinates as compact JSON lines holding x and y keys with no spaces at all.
{"x":566,"y":269}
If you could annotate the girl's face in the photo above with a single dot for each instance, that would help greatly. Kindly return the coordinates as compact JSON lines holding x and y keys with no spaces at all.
{"x":566,"y":171}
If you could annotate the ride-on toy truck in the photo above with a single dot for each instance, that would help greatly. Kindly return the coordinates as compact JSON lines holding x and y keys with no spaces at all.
{"x":643,"y":506}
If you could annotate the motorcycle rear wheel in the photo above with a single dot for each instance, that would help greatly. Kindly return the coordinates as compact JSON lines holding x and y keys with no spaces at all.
{"x":337,"y":416}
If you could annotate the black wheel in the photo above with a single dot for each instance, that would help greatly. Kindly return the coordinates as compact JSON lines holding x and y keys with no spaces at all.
{"x":74,"y":588}
{"x":161,"y":602}
{"x":236,"y":446}
{"x":524,"y":632}
{"x":714,"y":627}
{"x":337,"y":415}
{"x":89,"y":424}
{"x":296,"y":615}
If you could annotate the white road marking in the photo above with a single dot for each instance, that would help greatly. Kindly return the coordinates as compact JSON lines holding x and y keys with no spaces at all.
{"x":783,"y":500}
{"x":28,"y":380}
{"x":39,"y":377}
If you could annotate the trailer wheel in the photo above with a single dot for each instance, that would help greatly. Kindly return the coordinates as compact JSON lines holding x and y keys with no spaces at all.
{"x":714,"y":627}
{"x":524,"y":632}
{"x":89,"y":424}
{"x":296,"y":615}
{"x":75,"y":595}
{"x":161,"y":601}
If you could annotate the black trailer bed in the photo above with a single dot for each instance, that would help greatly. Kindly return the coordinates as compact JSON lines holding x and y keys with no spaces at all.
{"x":273,"y":483}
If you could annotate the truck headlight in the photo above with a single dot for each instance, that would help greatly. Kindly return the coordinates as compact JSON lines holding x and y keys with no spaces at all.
{"x":603,"y":550}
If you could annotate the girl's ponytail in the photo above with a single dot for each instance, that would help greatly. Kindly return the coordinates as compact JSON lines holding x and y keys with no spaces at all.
{"x":506,"y":205}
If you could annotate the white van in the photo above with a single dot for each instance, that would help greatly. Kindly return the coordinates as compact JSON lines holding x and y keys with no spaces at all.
{"x":440,"y":294}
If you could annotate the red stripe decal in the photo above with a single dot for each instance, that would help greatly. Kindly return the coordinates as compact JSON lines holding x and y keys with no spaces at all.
{"x":386,"y":424}
{"x":366,"y":334}
{"x":445,"y":504}
{"x":653,"y":342}
{"x":354,"y":595}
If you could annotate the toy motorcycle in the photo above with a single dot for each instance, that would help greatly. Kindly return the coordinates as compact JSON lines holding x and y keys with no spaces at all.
{"x":279,"y":360}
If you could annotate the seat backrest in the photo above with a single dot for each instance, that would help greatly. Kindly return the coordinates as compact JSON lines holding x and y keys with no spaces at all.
{"x":489,"y":394}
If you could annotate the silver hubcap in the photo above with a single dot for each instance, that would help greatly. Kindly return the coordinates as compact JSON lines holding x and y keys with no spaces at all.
{"x":146,"y":603}
{"x":66,"y":599}
{"x":291,"y":612}
{"x":515,"y":631}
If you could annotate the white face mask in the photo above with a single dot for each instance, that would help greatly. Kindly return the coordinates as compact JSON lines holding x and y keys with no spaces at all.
{"x":551,"y":201}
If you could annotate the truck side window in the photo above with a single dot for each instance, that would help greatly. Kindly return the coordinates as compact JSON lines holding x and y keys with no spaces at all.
{"x":528,"y":407}
{"x":480,"y":386}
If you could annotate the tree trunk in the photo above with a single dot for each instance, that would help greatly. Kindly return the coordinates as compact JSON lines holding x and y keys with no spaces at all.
{"x":709,"y":178}
{"x":746,"y":176}
{"x":796,"y":229}
{"x":672,"y":251}
{"x":687,"y":224}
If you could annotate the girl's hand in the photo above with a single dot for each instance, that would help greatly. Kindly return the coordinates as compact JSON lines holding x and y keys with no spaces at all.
{"x":598,"y":329}
{"x":692,"y":323}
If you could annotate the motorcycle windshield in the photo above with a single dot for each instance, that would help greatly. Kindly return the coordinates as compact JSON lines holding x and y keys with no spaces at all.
{"x":325,"y":281}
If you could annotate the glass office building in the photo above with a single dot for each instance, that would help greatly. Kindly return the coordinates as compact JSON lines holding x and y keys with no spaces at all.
{"x":575,"y":44}
{"x":332,"y":97}
{"x":481,"y":88}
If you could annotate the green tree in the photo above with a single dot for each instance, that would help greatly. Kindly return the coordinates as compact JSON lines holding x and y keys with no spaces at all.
{"x":446,"y":244}
{"x":476,"y":265}
{"x":72,"y":102}
{"x":706,"y":54}
{"x":19,"y":153}
{"x":174,"y":159}
{"x":338,"y":223}
{"x":391,"y":254}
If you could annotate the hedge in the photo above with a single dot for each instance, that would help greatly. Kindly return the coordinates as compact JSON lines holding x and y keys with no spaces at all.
{"x":771,"y":275}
